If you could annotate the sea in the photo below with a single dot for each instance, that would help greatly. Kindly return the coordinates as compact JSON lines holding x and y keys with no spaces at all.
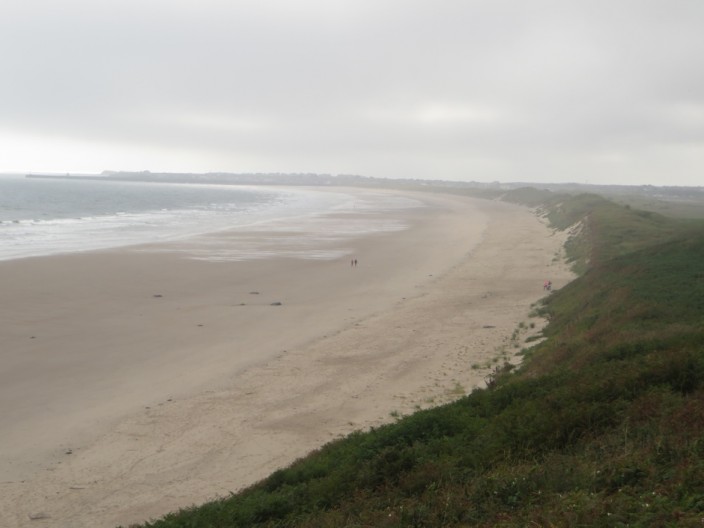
{"x":49,"y":216}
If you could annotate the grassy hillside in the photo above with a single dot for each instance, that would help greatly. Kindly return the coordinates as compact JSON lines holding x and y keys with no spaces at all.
{"x":602,"y":425}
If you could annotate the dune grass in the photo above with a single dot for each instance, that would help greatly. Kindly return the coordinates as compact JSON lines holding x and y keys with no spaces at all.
{"x":602,"y":425}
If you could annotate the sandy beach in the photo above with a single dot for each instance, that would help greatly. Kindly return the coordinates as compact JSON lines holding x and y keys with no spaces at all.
{"x":138,"y":381}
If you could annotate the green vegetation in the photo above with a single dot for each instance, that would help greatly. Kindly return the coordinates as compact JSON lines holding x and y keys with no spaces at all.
{"x":602,"y":425}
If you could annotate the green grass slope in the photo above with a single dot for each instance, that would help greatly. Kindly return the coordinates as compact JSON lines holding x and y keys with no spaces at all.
{"x":602,"y":425}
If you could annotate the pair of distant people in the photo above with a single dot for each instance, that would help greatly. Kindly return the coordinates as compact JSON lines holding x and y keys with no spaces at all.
{"x":353,"y":263}
{"x":547,"y":285}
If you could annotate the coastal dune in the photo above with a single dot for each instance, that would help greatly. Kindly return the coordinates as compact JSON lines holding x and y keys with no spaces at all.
{"x":141,"y":380}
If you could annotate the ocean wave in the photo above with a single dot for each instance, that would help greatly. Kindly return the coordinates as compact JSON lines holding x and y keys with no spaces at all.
{"x":318,"y":218}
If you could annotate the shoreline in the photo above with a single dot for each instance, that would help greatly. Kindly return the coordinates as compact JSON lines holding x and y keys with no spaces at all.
{"x":346,"y":349}
{"x":88,"y":231}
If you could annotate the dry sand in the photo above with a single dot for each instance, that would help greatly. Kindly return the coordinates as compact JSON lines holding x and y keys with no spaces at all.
{"x":136,"y":382}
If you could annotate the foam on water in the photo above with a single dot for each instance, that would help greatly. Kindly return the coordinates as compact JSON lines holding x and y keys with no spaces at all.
{"x":46,"y":217}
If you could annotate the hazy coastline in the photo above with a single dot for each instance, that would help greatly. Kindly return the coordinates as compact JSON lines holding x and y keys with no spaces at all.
{"x":130,"y":369}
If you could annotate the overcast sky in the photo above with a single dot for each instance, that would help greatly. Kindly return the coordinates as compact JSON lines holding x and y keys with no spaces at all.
{"x":519,"y":90}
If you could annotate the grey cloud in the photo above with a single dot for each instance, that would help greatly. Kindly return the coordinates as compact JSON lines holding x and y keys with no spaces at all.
{"x":460,"y":90}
